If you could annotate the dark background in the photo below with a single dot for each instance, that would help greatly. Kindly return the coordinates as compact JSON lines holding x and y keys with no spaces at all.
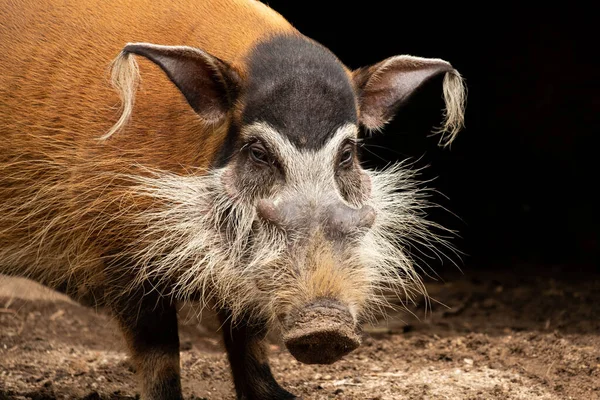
{"x":522,"y":176}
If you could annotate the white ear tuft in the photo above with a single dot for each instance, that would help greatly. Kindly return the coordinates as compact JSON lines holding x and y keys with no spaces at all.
{"x":384,"y":87}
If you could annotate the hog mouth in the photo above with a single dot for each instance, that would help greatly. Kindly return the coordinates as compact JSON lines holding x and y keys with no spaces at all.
{"x":321,"y":333}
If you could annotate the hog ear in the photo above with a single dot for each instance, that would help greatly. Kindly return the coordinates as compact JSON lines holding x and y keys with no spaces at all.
{"x":384,"y":87}
{"x":208,"y":84}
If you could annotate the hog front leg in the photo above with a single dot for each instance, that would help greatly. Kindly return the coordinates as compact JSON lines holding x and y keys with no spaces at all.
{"x":149,"y":323}
{"x":247,"y":352}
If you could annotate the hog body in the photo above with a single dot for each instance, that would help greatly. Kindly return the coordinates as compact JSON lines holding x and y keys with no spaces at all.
{"x":220,"y":166}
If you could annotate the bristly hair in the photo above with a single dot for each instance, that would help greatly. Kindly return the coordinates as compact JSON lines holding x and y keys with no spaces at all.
{"x":186,"y":234}
{"x":200,"y":240}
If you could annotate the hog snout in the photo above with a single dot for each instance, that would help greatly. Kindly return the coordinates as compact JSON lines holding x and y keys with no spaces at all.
{"x":337,"y":219}
{"x":321,"y":333}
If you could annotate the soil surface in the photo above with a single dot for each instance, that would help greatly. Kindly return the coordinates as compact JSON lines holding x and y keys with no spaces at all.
{"x":490,"y":335}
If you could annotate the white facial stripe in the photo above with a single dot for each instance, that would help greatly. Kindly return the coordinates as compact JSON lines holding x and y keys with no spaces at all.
{"x":286,"y":151}
{"x":311,"y":170}
{"x":283,"y":148}
{"x":348,"y":131}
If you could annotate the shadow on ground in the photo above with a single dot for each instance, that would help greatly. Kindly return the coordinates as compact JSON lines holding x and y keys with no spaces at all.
{"x":488,"y":335}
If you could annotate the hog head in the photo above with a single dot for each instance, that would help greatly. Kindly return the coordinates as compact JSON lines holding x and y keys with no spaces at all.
{"x":287,"y":228}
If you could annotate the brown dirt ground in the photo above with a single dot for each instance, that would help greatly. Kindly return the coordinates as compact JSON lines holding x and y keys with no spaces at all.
{"x":502,"y":336}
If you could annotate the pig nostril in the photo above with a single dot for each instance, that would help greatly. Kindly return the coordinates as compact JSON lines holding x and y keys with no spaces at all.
{"x":304,"y":347}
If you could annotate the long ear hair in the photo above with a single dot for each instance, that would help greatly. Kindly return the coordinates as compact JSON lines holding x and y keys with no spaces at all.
{"x":125,"y":77}
{"x":209,"y":85}
{"x":386,"y":86}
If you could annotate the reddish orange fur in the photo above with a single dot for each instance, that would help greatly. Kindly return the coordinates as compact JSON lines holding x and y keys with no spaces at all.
{"x":56,"y":101}
{"x":55,"y":62}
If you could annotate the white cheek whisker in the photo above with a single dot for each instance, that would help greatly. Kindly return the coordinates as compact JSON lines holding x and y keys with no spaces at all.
{"x":187,"y":236}
{"x":207,"y":242}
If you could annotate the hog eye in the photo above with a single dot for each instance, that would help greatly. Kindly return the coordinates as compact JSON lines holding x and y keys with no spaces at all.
{"x":258,"y":153}
{"x":347,"y":156}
